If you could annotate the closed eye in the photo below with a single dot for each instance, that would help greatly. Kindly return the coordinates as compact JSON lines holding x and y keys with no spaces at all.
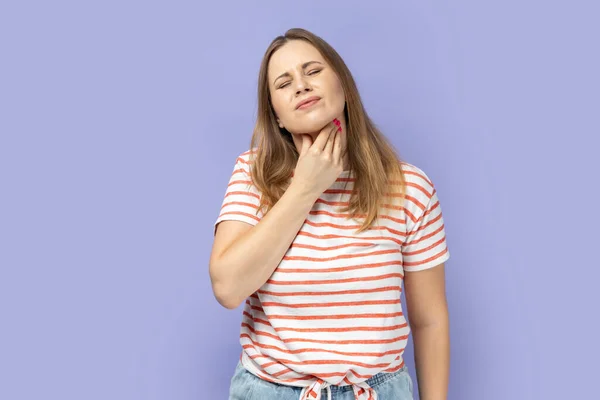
{"x":312,"y":72}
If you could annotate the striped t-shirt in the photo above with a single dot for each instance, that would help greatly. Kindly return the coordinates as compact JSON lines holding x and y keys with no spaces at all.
{"x":331,"y":312}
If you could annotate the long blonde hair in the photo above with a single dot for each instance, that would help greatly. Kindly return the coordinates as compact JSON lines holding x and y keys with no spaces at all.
{"x":372,"y":159}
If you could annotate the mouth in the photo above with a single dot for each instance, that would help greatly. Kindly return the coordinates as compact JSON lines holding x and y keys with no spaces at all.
{"x":307,"y":103}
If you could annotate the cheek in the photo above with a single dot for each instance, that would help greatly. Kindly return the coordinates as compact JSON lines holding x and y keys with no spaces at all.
{"x":334,"y":91}
{"x":278,"y":107}
{"x":337,"y":100}
{"x":340,"y":98}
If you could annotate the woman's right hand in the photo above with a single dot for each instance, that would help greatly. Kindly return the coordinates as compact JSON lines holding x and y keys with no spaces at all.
{"x":320,"y":163}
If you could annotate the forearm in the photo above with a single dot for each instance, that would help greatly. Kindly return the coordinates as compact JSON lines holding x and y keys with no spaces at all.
{"x":432,"y":360}
{"x":249,"y":262}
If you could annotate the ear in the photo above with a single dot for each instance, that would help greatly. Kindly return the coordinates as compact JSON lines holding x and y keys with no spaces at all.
{"x":279,"y":123}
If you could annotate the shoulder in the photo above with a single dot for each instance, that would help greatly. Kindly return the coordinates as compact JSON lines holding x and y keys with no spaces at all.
{"x":418,"y":182}
{"x":420,"y":192}
{"x":244,"y":160}
{"x":247,"y":156}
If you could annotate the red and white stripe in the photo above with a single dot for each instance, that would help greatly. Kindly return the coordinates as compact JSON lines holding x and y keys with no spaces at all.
{"x":331,"y":312}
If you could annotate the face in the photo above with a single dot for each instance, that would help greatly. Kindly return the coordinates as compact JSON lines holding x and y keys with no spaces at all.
{"x":297,"y":72}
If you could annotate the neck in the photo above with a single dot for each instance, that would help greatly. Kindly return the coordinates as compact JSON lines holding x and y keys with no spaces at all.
{"x":298,"y":142}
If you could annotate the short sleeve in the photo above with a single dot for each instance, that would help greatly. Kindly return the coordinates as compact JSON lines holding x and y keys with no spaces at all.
{"x":425,"y":242}
{"x":242,"y":198}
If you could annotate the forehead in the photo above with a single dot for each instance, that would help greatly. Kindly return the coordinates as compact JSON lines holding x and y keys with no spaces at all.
{"x":292,"y":55}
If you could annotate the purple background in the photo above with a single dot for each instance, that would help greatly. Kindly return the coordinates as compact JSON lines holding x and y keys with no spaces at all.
{"x":120,"y":123}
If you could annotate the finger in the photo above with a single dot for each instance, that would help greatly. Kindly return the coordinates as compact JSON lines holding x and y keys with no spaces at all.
{"x":306,"y":143}
{"x":337,"y":147}
{"x":329,"y":145}
{"x":323,"y":136}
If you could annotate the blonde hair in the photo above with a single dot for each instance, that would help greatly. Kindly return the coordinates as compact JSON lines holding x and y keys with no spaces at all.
{"x":372,"y":159}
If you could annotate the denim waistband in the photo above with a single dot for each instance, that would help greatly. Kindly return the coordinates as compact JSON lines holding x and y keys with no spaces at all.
{"x":374,"y":381}
{"x":326,"y":391}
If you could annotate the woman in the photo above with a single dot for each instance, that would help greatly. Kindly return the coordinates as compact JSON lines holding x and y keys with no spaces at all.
{"x":320,"y":227}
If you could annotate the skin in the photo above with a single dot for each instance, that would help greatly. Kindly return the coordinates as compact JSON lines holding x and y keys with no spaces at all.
{"x":429,"y":321}
{"x":296,"y":72}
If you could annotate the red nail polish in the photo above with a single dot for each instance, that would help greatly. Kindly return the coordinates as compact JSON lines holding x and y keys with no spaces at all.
{"x":336,"y":121}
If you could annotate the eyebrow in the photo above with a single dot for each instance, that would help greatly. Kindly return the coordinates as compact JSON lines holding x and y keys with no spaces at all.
{"x":306,"y":64}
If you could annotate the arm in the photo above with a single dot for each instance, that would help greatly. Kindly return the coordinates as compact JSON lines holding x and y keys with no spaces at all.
{"x":244,"y":256}
{"x":429,"y":321}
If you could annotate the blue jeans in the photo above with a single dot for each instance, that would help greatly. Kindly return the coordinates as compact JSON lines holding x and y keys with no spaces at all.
{"x":388,"y":386}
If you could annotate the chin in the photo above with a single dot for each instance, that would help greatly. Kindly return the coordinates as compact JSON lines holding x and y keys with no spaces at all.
{"x":315,"y":124}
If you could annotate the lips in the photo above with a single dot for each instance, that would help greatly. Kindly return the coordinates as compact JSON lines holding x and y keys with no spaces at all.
{"x":308,"y":102}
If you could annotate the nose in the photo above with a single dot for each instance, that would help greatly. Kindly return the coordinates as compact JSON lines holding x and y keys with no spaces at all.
{"x":302,"y":86}
{"x":306,"y":89}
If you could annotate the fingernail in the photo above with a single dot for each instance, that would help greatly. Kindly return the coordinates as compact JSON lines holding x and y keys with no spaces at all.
{"x":336,"y":121}
{"x":339,"y":129}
